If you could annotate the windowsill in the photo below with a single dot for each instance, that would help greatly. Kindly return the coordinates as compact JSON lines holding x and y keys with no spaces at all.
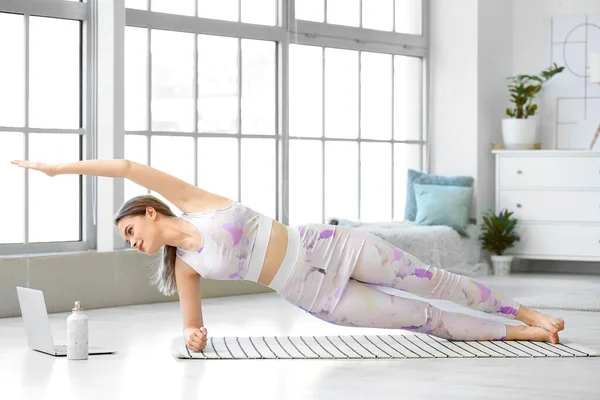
{"x":56,"y":254}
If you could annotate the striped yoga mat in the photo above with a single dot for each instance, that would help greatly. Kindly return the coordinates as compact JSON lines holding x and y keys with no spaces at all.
{"x":371,"y":347}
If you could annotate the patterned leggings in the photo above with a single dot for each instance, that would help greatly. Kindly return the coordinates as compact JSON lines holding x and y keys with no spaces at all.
{"x":335,"y":263}
{"x":380,"y":263}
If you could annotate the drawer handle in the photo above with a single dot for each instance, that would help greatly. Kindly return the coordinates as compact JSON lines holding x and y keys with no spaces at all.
{"x":519,"y":172}
{"x":519,"y":205}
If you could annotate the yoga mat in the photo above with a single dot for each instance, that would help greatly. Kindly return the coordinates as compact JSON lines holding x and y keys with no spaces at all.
{"x":371,"y":347}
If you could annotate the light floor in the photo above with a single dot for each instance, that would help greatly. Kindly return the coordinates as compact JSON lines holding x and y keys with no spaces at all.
{"x":145,"y":369}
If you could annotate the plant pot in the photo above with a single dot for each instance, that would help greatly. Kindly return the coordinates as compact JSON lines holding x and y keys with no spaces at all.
{"x":502,"y":264}
{"x":519,"y":133}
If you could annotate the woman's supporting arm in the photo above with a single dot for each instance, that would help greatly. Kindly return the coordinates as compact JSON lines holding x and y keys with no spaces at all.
{"x":188,"y":288}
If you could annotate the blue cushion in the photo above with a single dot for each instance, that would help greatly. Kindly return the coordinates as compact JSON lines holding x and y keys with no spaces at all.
{"x":410,"y":208}
{"x":443,"y":205}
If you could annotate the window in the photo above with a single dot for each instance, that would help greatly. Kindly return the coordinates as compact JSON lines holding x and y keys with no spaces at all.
{"x":373,"y":96}
{"x":42,"y":118}
{"x":402,"y":16}
{"x":304,"y":110}
{"x":201,"y":103}
{"x":260,"y":12}
{"x":356,"y":108}
{"x":211,"y":95}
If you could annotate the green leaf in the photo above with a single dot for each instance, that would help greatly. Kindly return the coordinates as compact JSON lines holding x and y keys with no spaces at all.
{"x":524,"y":88}
{"x":498,"y":231}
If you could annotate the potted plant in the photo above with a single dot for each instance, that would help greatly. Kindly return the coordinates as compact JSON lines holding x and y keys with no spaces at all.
{"x":520,"y":130}
{"x":498,"y":235}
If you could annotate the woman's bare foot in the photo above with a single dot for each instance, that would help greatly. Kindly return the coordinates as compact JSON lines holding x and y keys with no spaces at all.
{"x":532,"y":333}
{"x":534,"y":318}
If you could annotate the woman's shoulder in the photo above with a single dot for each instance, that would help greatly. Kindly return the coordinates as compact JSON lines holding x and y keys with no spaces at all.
{"x":210,"y":207}
{"x":206,"y":202}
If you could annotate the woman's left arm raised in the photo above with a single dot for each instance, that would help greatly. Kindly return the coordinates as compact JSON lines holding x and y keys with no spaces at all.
{"x":183,"y":195}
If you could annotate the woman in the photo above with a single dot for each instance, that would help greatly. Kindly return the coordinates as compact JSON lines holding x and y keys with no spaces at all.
{"x":323,"y":269}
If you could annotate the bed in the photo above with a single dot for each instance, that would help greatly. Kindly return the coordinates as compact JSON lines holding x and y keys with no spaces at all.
{"x":439,"y":246}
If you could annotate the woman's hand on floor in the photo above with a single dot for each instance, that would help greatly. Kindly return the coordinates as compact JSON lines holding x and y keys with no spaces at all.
{"x":195,"y":338}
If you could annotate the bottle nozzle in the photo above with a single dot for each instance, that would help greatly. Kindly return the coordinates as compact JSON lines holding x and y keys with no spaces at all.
{"x":77,"y":306}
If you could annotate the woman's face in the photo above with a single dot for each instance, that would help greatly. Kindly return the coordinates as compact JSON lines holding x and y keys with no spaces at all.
{"x":141,"y":232}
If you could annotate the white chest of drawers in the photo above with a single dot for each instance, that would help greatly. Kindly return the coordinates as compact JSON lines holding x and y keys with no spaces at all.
{"x":555,"y":195}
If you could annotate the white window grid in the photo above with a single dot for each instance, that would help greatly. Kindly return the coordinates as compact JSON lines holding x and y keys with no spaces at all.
{"x":287,"y":31}
{"x":75,"y":11}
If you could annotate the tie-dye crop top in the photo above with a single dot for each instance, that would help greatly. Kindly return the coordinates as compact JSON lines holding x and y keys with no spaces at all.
{"x":228,"y":239}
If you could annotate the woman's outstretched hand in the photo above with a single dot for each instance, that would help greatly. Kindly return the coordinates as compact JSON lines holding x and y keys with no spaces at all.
{"x":48,"y":169}
{"x":195,"y":338}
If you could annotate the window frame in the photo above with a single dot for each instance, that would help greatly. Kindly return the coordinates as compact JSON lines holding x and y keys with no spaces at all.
{"x":324,"y":35}
{"x":287,"y":31}
{"x":152,"y":20}
{"x":77,"y":11}
{"x":363,"y":35}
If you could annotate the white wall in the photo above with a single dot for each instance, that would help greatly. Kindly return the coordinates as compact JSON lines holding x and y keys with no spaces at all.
{"x":494,"y":65}
{"x":471,"y":56}
{"x":453,"y":58}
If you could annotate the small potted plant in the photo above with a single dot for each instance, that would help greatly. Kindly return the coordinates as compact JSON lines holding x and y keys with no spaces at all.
{"x":520,"y":130}
{"x":498,"y":235}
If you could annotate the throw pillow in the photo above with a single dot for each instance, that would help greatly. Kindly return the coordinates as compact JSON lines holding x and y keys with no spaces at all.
{"x":443,"y":205}
{"x":410,"y":208}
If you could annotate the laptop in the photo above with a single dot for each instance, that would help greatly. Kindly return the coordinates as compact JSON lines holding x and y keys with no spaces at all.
{"x":37,"y":325}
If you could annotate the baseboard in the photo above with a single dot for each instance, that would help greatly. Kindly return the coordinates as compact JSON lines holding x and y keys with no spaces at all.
{"x":551,"y":266}
{"x":97,"y":279}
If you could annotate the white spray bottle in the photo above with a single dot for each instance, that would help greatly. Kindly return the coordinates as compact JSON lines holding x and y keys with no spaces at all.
{"x":77,"y":334}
